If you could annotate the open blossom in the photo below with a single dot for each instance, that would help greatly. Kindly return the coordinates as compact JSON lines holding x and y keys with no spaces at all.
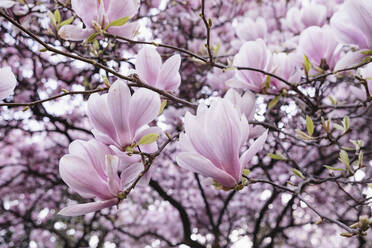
{"x":151,"y":70}
{"x":7,"y":82}
{"x":253,"y":54}
{"x":320,"y":46}
{"x":97,"y":15}
{"x":310,"y":15}
{"x":91,"y":170}
{"x":251,"y":30}
{"x":287,"y":67}
{"x":120,"y":119}
{"x":352,"y":24}
{"x":212,"y":141}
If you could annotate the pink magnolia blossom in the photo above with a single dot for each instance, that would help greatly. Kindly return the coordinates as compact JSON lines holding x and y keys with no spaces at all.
{"x":97,"y":15}
{"x":287,"y":67}
{"x":310,"y":15}
{"x":91,"y":170}
{"x":251,"y":30}
{"x":120,"y":119}
{"x":212,"y":141}
{"x":152,"y":71}
{"x":7,"y":82}
{"x":352,"y":23}
{"x":256,"y":55}
{"x":320,"y":46}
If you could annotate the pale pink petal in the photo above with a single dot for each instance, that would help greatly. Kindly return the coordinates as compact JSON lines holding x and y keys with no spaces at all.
{"x":128,"y":30}
{"x":253,"y":149}
{"x":129,"y":174}
{"x":99,"y":115}
{"x":148,"y":63}
{"x":144,"y":108}
{"x":121,"y":8}
{"x":112,"y":164}
{"x":6,"y":4}
{"x":8,"y":82}
{"x":169,"y":77}
{"x":350,"y":59}
{"x":196,"y":163}
{"x":118,"y":101}
{"x":223,"y":132}
{"x":82,"y":177}
{"x":86,"y":10}
{"x":81,"y":209}
{"x":74,"y":33}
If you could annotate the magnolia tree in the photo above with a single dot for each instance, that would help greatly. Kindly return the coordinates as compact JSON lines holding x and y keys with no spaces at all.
{"x":185,"y":123}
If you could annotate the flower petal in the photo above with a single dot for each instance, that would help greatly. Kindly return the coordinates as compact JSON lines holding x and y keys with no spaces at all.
{"x":86,"y":10}
{"x":8,"y":82}
{"x":74,"y":33}
{"x":169,"y":78}
{"x":148,"y":63}
{"x":144,"y":108}
{"x":118,"y":101}
{"x":81,"y":209}
{"x":253,"y":149}
{"x":196,"y":163}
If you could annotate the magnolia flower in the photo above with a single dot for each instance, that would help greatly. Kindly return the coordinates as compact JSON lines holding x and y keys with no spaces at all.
{"x":256,"y":55}
{"x":97,"y":15}
{"x":150,"y":69}
{"x":320,"y":46}
{"x":120,"y":119}
{"x":246,"y":104}
{"x":91,"y":170}
{"x":352,"y":23}
{"x":287,"y":67}
{"x":366,"y":74}
{"x":310,"y":15}
{"x":7,"y":82}
{"x":212,"y":141}
{"x":252,"y":30}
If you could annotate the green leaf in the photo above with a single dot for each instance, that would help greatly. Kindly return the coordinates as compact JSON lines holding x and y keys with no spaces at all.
{"x":298,"y":173}
{"x":148,"y":139}
{"x":333,"y":168}
{"x":344,"y":158}
{"x":118,"y":22}
{"x":346,"y":123}
{"x":360,"y":159}
{"x":369,"y":52}
{"x":92,"y":37}
{"x":162,"y":106}
{"x":309,"y":125}
{"x":338,"y":127}
{"x":267,"y":82}
{"x":57,"y":16}
{"x":246,"y":172}
{"x":307,"y":64}
{"x":67,"y":22}
{"x":273,"y":102}
{"x":303,"y":135}
{"x":333,"y":101}
{"x":277,"y":156}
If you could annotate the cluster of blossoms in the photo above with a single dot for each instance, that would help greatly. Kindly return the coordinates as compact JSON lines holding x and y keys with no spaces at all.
{"x":218,"y":89}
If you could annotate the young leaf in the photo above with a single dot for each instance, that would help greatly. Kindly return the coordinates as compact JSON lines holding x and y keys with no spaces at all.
{"x":57,"y":16}
{"x":162,"y":106}
{"x":309,"y":125}
{"x":273,"y":102}
{"x":346,"y":123}
{"x":118,"y":22}
{"x":92,"y":37}
{"x":148,"y":139}
{"x":298,"y":173}
{"x":333,"y":168}
{"x":277,"y":156}
{"x":307,"y":64}
{"x":67,"y":22}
